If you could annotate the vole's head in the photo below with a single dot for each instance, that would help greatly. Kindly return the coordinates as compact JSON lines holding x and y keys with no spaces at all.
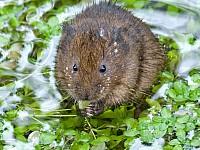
{"x":91,"y":64}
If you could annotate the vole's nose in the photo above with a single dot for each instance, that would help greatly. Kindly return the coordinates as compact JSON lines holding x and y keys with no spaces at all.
{"x":85,"y":96}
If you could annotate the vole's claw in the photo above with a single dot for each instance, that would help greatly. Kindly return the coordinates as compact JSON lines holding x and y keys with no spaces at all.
{"x":94,"y":108}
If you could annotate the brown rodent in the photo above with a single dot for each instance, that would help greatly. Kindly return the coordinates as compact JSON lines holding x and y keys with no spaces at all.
{"x":106,"y":56}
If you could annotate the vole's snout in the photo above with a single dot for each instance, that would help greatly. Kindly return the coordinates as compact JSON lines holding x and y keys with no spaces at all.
{"x":89,"y":93}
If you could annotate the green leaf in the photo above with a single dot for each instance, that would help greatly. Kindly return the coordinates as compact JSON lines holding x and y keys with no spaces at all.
{"x":115,"y":141}
{"x":165,"y":113}
{"x":14,"y":22}
{"x":174,"y":142}
{"x":85,"y":146}
{"x":163,"y":126}
{"x":168,"y":75}
{"x":12,"y":114}
{"x":102,"y":146}
{"x":196,"y":78}
{"x":100,"y":140}
{"x":47,"y":138}
{"x":53,"y":21}
{"x":83,"y":104}
{"x":157,"y":119}
{"x":178,"y":147}
{"x":131,"y":132}
{"x":21,"y":138}
{"x":19,"y":130}
{"x":104,"y":132}
{"x":178,"y":86}
{"x":69,"y":122}
{"x":139,"y":4}
{"x":179,"y":125}
{"x":195,"y":142}
{"x":85,"y":137}
{"x":183,"y":119}
{"x":153,"y":103}
{"x":190,"y":126}
{"x":70,"y":132}
{"x":180,"y":133}
{"x":129,"y":122}
{"x":4,"y":40}
{"x":180,"y":98}
{"x":159,"y":133}
{"x":108,"y":114}
{"x":146,"y":136}
{"x":171,"y":93}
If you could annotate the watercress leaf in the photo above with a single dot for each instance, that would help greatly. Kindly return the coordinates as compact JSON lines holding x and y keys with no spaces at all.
{"x":85,"y":137}
{"x":47,"y":138}
{"x":159,"y":133}
{"x":174,"y":142}
{"x":180,"y":133}
{"x":53,"y":21}
{"x":70,"y":132}
{"x":165,"y":113}
{"x":14,"y":22}
{"x":131,"y":132}
{"x":146,"y":136}
{"x":4,"y":40}
{"x":171,"y":93}
{"x":179,"y":125}
{"x":178,"y":147}
{"x":100,"y":140}
{"x":129,"y":122}
{"x":102,"y":146}
{"x":183,"y":119}
{"x":190,"y":126}
{"x":21,"y":138}
{"x":85,"y":146}
{"x":157,"y":119}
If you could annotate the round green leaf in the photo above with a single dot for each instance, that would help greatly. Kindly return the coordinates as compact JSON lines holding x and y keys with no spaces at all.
{"x":183,"y":119}
{"x":165,"y":113}
{"x":47,"y":138}
{"x":4,"y":40}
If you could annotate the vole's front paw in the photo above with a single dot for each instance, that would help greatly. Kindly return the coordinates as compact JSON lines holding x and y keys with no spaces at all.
{"x":94,"y":108}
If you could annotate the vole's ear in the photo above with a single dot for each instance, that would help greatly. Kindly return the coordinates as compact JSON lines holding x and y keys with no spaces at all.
{"x":68,"y":29}
{"x":118,"y":35}
{"x":118,"y":32}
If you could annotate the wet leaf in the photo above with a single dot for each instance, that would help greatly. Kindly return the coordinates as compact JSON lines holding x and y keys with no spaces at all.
{"x":14,"y":22}
{"x":174,"y":142}
{"x":4,"y":40}
{"x":47,"y":138}
{"x":131,"y":132}
{"x":85,"y":146}
{"x":100,"y":140}
{"x":183,"y":119}
{"x":83,"y":104}
{"x":146,"y":136}
{"x":165,"y":113}
{"x":102,"y":146}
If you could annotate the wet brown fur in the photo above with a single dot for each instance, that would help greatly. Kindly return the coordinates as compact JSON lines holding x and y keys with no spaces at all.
{"x":106,"y":34}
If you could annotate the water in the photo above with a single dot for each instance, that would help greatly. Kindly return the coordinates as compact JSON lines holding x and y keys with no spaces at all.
{"x":20,"y":75}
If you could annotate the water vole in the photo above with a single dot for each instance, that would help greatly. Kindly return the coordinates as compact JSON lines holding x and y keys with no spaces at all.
{"x":106,"y":56}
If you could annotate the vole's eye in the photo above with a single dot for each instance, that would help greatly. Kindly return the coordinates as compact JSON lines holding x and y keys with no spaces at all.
{"x":75,"y":67}
{"x":102,"y":69}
